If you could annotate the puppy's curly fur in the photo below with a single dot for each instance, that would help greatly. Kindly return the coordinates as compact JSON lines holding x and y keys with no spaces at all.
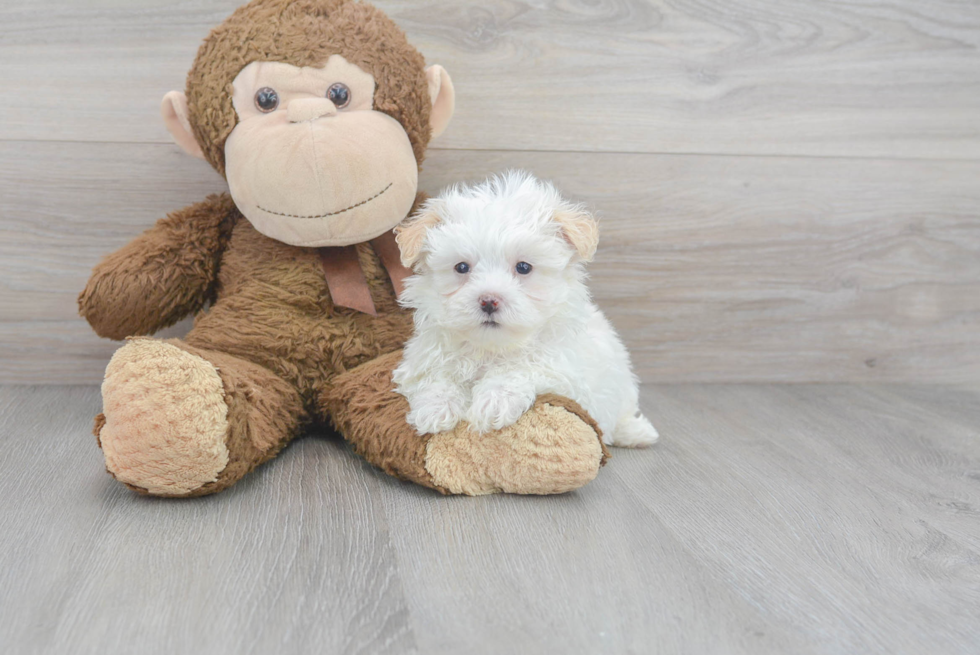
{"x":502,"y":313}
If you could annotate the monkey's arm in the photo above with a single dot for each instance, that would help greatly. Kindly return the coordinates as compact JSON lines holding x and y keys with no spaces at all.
{"x":161,"y":276}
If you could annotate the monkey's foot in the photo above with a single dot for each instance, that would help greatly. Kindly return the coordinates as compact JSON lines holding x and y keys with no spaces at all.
{"x":165,"y":419}
{"x":553,"y":448}
{"x":187,"y":421}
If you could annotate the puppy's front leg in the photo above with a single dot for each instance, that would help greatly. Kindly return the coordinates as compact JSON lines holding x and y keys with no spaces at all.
{"x":498,"y":401}
{"x":436,"y":405}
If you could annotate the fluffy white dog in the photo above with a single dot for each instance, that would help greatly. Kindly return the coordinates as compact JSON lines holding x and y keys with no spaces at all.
{"x":502,"y":313}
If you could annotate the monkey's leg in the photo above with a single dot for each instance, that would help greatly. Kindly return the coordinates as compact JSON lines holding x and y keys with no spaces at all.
{"x":555,"y":447}
{"x":184,"y":421}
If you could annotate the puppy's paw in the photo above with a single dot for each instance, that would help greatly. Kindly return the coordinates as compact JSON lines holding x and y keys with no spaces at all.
{"x":496,"y":406}
{"x":435,"y":413}
{"x":633,"y":432}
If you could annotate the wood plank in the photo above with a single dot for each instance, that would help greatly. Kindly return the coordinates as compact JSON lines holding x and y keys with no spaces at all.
{"x":59,"y":352}
{"x":297,"y":559}
{"x":818,"y":519}
{"x":814,"y":77}
{"x":954,"y":404}
{"x":713,"y":268}
{"x":589,"y":572}
{"x":843,"y":512}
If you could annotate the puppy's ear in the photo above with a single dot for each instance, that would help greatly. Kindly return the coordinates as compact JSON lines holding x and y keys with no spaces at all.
{"x":580,"y":229}
{"x":410,"y":234}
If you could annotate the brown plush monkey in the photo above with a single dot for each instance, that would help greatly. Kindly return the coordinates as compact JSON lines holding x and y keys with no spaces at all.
{"x":318,"y":113}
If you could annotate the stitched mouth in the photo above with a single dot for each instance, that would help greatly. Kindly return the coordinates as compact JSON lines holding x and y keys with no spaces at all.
{"x":328,"y":215}
{"x":490,"y":323}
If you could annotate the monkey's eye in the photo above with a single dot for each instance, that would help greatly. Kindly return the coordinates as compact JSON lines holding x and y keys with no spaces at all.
{"x":266,"y":99}
{"x":523,"y":268}
{"x":339,"y":95}
{"x":462,"y":268}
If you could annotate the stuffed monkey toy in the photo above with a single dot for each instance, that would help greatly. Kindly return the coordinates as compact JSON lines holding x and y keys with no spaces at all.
{"x":318,"y":114}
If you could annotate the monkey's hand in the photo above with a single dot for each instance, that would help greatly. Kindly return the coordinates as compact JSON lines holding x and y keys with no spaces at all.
{"x":161,"y":276}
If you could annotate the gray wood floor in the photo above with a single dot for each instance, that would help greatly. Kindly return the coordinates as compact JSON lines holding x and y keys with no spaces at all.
{"x":771,"y":519}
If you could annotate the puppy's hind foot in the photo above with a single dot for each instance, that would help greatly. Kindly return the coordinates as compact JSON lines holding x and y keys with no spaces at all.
{"x":633,"y":432}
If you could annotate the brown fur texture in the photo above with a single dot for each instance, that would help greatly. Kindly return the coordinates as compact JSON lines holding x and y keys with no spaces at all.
{"x":363,"y":405}
{"x":274,"y":309}
{"x":285,"y":355}
{"x":272,"y":333}
{"x":555,"y":447}
{"x":163,"y":275}
{"x":97,"y":428}
{"x":265,"y":413}
{"x":306,"y":33}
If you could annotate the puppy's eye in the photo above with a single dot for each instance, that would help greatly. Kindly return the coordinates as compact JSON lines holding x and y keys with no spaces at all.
{"x":266,"y":99}
{"x":523,"y":268}
{"x":339,"y":94}
{"x":462,"y":268}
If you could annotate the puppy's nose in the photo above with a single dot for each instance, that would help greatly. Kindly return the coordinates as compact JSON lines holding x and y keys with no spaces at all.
{"x":302,"y":110}
{"x":489,"y":304}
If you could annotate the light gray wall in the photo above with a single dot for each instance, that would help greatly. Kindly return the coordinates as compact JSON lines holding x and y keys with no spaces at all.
{"x":790,"y":191}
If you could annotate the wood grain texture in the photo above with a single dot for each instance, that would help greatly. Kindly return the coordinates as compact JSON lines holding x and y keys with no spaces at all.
{"x":296,"y":559}
{"x":822,"y":519}
{"x":808,"y":499}
{"x":814,"y":77}
{"x":713,"y":268}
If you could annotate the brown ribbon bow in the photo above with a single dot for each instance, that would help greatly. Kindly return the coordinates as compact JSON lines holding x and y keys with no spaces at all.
{"x":345,"y":279}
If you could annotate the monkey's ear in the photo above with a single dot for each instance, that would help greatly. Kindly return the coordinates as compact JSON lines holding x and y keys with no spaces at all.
{"x":178,"y":122}
{"x":443,"y":98}
{"x":580,"y":229}
{"x":410,"y":234}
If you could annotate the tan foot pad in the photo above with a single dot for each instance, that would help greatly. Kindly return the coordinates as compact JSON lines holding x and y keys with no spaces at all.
{"x":165,"y":419}
{"x":555,"y":447}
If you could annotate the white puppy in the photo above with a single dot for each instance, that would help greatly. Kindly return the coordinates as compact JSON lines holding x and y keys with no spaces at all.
{"x":502,"y":313}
